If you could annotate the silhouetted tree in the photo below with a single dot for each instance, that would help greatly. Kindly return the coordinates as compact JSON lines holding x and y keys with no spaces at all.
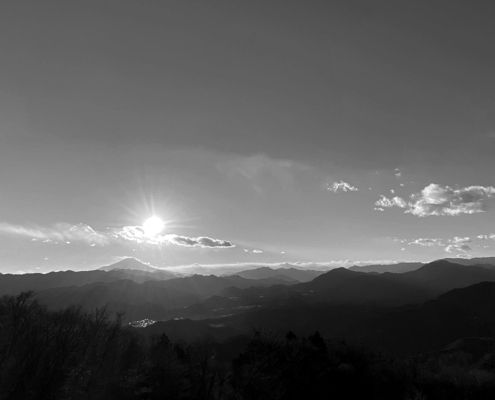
{"x":72,"y":354}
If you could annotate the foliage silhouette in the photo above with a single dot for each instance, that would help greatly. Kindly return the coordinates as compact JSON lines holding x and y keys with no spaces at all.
{"x":76,"y":354}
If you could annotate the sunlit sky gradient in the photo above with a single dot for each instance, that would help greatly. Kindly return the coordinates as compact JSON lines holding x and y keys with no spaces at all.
{"x":261,"y":132}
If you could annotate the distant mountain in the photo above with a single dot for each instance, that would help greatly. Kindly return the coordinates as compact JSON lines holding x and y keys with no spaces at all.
{"x":122,"y":295}
{"x":441,"y":276}
{"x":342,"y":285}
{"x":285,"y":278}
{"x":14,"y":284}
{"x":142,"y":296}
{"x":394,"y":268}
{"x":129,"y":268}
{"x":134,"y":264}
{"x":479,"y":298}
{"x":430,"y":279}
{"x":487,"y":262}
{"x":158,"y":296}
{"x":338,"y":286}
{"x":300,"y":275}
{"x":473,"y":261}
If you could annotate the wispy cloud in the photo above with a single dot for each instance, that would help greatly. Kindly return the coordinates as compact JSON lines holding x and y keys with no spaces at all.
{"x":428,"y":242}
{"x":436,"y":199}
{"x":61,"y":232}
{"x":455,"y":245}
{"x":460,"y":247}
{"x":396,"y":239}
{"x":397,"y":173}
{"x":67,"y":233}
{"x":342,"y":187}
{"x":459,"y":240}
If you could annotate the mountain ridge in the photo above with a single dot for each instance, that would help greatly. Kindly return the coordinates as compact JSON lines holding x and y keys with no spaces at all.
{"x":300,"y":275}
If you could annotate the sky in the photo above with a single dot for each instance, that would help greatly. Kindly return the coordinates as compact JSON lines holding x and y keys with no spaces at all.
{"x":315,"y":133}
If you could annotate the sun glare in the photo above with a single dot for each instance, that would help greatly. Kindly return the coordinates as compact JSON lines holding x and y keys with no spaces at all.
{"x":153,"y":226}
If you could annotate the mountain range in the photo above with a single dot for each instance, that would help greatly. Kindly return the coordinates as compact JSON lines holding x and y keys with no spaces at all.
{"x":394,"y":268}
{"x":289,"y":274}
{"x":417,"y":308}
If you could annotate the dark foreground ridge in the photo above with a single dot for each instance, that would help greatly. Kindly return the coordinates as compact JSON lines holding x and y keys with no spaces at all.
{"x":73,"y":354}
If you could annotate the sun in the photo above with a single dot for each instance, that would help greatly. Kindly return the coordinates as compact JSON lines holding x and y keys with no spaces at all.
{"x":153,"y":226}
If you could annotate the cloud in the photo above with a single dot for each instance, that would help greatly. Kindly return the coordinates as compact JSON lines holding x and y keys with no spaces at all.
{"x":342,"y":186}
{"x":458,"y":240}
{"x":59,"y":232}
{"x":486,"y":237}
{"x":396,"y":201}
{"x":196,"y":242}
{"x":463,"y":255}
{"x":460,"y":247}
{"x":436,"y":199}
{"x":428,"y":242}
{"x":456,"y":244}
{"x":443,"y":200}
{"x":397,"y":173}
{"x":136,"y":234}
